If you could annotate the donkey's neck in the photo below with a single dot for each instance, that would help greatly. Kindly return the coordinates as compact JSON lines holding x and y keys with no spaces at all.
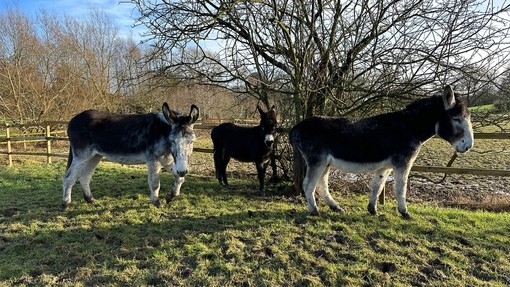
{"x":423,"y":116}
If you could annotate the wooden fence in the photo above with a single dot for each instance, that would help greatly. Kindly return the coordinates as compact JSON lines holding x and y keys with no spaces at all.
{"x":47,"y":135}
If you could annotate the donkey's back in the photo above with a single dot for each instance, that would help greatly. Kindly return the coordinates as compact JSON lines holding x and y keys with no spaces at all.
{"x":241,"y":143}
{"x":126,"y":138}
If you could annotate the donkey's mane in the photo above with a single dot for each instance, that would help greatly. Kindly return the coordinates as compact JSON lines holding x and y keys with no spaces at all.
{"x":435,"y":104}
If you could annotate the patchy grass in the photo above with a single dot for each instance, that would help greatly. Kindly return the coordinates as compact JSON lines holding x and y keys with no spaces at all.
{"x":214,"y":236}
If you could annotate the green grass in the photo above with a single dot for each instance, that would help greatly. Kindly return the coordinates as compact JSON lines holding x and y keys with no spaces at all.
{"x":214,"y":236}
{"x":484,"y":108}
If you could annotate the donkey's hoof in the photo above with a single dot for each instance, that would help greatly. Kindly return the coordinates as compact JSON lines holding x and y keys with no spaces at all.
{"x":157,"y":203}
{"x":65,"y":205}
{"x":406,"y":215}
{"x":337,"y":208}
{"x":372,"y":210}
{"x":170,"y":197}
{"x":314,"y":212}
{"x":89,"y":199}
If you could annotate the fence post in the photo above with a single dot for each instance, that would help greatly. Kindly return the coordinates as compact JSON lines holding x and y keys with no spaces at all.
{"x":9,"y":149}
{"x":48,"y":143}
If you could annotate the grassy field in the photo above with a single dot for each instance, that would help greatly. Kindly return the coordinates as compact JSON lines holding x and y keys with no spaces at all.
{"x":214,"y":236}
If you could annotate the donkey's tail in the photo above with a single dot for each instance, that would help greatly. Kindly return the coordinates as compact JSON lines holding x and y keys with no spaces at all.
{"x":69,"y":158}
{"x":299,"y":165}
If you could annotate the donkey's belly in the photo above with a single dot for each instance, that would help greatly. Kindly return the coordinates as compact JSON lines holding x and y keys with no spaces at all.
{"x":356,"y":167}
{"x":138,"y":158}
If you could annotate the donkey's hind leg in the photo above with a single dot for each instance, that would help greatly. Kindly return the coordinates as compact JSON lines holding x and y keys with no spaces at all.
{"x":323,"y":190}
{"x":71,"y":175}
{"x":223,"y":170}
{"x":86,"y":175}
{"x":220,"y":165}
{"x":217,"y":163}
{"x":376,"y":188}
{"x":313,"y":174}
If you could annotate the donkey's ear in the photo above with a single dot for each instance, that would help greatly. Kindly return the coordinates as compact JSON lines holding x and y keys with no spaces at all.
{"x":260,"y":109}
{"x":170,"y":115}
{"x":193,"y":113}
{"x":448,"y":97}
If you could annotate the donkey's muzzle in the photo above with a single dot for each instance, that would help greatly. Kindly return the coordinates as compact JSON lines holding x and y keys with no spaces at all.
{"x":182,"y":173}
{"x":269,"y":140}
{"x":463,"y":149}
{"x":463,"y":145}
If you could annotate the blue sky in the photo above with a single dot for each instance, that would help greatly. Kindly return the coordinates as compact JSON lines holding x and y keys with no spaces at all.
{"x":123,"y":14}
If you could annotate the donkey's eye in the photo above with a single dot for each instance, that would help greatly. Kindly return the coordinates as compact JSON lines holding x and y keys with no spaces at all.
{"x":457,"y":120}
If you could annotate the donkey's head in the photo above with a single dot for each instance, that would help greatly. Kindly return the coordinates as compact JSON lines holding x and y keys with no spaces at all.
{"x":268,"y":123}
{"x":455,"y":124}
{"x":181,"y":137}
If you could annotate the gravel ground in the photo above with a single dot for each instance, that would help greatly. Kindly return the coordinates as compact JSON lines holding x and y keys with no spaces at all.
{"x":471,"y":192}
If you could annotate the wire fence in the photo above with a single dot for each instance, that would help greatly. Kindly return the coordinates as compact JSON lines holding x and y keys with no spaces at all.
{"x":47,"y":134}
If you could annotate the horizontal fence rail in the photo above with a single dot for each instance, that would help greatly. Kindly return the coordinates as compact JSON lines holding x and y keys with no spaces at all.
{"x":46,"y":134}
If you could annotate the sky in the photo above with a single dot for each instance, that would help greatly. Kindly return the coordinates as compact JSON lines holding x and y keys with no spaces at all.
{"x":123,"y":14}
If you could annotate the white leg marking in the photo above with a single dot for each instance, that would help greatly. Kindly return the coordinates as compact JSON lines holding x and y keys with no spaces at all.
{"x":70,"y":178}
{"x":323,"y":191}
{"x":86,"y":175}
{"x":309,"y":183}
{"x":176,"y":190}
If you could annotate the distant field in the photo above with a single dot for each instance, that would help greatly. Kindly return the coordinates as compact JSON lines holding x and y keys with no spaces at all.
{"x":483,"y":108}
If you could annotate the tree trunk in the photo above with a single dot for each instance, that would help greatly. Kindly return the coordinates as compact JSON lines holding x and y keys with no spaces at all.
{"x":299,"y":172}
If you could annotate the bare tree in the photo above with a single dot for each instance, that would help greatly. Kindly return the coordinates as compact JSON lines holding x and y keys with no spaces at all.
{"x":51,"y":66}
{"x":341,"y":57}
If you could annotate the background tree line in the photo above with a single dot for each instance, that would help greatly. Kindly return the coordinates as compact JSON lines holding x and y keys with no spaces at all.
{"x":352,"y":58}
{"x":53,"y":66}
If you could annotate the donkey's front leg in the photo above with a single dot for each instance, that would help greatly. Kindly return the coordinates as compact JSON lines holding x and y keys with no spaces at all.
{"x":261,"y":172}
{"x":154,"y":168}
{"x":176,"y":190}
{"x":169,"y":165}
{"x":322,"y":189}
{"x":401,"y":175}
